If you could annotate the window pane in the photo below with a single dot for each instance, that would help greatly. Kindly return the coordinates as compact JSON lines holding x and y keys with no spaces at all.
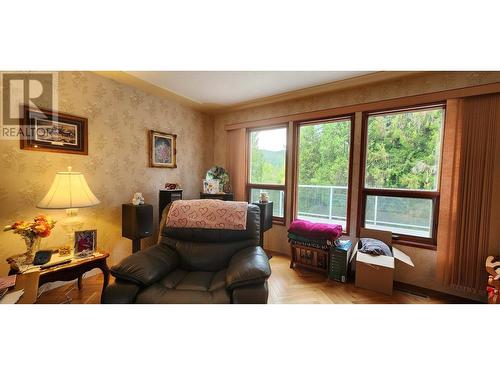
{"x":267,"y":156}
{"x":275,"y":196}
{"x":323,"y":171}
{"x":411,"y":216}
{"x":403,"y":150}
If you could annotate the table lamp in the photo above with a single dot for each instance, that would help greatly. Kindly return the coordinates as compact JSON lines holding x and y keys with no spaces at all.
{"x":69,"y":191}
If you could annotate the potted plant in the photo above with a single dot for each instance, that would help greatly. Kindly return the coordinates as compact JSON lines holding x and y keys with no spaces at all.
{"x":219,"y":173}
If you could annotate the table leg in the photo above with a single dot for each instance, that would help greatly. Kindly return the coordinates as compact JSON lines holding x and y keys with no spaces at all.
{"x":105,"y":273}
{"x":80,"y":282}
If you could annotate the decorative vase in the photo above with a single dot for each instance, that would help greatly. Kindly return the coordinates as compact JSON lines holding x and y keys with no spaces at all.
{"x":32,"y":246}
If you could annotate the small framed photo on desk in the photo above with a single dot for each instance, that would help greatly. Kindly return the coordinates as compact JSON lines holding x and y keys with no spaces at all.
{"x":85,"y":243}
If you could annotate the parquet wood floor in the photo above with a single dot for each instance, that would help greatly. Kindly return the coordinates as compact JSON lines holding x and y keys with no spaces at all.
{"x":285,"y":286}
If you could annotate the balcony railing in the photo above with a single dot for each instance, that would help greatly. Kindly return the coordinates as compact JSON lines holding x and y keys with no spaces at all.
{"x":328,"y":204}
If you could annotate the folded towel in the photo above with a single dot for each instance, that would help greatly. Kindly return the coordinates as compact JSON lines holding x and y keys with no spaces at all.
{"x":316,"y":230}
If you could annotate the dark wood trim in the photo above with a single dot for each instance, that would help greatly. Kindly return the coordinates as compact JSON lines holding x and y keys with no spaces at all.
{"x":415,"y":243}
{"x":279,"y":220}
{"x":295,"y":169}
{"x":276,"y":219}
{"x":403,"y":193}
{"x":349,"y":187}
{"x":380,"y":105}
{"x":25,"y":122}
{"x":401,"y":239}
{"x":424,"y":292}
{"x":296,"y":144}
{"x":413,"y":108}
{"x":266,"y":186}
{"x":361,"y":182}
{"x":325,"y":119}
{"x":247,"y":163}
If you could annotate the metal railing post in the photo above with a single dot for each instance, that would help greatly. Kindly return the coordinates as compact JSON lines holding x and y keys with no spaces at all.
{"x":330,"y":209}
{"x":282,"y":199}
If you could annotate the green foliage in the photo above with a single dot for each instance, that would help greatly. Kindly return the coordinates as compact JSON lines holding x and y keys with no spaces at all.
{"x":324,"y":154}
{"x":267,"y":167}
{"x":403,"y":150}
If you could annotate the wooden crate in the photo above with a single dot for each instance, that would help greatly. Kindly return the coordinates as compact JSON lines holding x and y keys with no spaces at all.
{"x":309,"y":257}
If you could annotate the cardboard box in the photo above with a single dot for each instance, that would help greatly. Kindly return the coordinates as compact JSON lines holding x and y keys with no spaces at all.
{"x":376,"y":272}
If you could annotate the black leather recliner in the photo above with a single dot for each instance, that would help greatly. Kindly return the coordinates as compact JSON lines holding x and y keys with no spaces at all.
{"x":195,"y":266}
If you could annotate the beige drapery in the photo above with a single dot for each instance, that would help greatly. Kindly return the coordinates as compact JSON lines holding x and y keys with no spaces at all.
{"x":467,"y":182}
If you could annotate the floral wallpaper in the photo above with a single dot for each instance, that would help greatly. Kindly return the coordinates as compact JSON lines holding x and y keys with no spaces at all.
{"x":117,"y":162}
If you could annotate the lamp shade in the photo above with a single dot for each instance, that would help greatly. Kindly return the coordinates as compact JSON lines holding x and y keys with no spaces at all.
{"x":69,"y":190}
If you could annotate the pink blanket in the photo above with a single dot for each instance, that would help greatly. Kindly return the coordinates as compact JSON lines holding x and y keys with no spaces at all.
{"x":316,"y":230}
{"x":207,"y":214}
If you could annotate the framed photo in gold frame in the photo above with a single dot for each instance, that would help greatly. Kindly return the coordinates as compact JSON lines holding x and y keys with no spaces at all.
{"x":85,"y":242}
{"x":162,"y":150}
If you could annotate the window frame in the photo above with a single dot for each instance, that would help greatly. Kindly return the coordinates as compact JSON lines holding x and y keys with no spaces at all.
{"x":249,"y":185}
{"x":295,"y":178}
{"x":434,"y":195}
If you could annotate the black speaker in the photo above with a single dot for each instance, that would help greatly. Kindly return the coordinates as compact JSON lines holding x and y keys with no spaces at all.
{"x":137,"y":223}
{"x":166,"y":197}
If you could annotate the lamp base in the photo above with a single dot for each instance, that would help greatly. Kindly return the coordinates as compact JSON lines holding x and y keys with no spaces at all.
{"x":70,"y":224}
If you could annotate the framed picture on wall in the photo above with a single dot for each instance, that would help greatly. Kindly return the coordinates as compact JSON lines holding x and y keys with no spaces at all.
{"x":46,"y":130}
{"x":162,"y":150}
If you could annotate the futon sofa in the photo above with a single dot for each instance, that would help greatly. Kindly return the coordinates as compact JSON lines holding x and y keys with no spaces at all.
{"x":190,"y":265}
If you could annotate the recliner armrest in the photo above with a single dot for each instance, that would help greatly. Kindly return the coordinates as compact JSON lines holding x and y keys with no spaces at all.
{"x":248,"y":266}
{"x":147,"y":266}
{"x":120,"y":291}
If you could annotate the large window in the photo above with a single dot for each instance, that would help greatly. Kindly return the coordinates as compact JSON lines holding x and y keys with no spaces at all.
{"x":323,"y":171}
{"x":400,"y":181}
{"x":267,"y":167}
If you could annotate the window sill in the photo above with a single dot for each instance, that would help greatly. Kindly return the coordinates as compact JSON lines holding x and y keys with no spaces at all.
{"x":420,"y":245}
{"x":278,"y":221}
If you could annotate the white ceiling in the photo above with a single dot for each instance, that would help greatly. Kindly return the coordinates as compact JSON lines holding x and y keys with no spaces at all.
{"x":229,"y":88}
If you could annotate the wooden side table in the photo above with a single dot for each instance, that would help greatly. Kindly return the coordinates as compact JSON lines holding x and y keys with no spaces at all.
{"x":71,"y":271}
